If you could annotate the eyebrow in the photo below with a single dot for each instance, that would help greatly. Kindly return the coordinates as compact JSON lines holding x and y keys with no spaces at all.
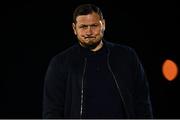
{"x":88,"y":24}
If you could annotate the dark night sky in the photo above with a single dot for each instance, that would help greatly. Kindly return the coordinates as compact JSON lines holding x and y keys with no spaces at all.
{"x":36,"y":31}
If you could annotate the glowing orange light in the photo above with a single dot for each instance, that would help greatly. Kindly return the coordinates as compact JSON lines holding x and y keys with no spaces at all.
{"x":169,"y":70}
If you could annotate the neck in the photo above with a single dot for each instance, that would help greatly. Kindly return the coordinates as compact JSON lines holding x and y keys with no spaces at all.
{"x":98,"y":47}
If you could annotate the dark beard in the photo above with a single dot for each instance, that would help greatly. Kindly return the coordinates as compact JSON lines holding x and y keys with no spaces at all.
{"x":92,"y":46}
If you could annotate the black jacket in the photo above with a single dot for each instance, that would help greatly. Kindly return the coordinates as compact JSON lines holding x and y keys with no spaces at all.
{"x":63,"y":86}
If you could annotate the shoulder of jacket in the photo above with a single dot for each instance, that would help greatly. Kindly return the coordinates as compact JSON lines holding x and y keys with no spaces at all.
{"x":120,"y":48}
{"x":66,"y":53}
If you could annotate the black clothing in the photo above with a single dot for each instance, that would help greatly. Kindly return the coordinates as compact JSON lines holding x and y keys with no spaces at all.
{"x":102,"y":99}
{"x":65,"y":83}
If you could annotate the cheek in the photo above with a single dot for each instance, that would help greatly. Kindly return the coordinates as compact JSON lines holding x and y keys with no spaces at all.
{"x":98,"y":31}
{"x":81,"y":33}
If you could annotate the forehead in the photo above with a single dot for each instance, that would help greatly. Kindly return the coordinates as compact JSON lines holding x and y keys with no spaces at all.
{"x":88,"y":19}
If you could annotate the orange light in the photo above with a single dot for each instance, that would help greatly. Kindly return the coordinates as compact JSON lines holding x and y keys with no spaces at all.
{"x":169,"y":70}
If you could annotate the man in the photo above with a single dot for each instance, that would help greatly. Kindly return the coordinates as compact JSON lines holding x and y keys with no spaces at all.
{"x":95,"y":78}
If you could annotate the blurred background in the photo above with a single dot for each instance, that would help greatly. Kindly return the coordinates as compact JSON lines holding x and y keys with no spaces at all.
{"x":35,"y":31}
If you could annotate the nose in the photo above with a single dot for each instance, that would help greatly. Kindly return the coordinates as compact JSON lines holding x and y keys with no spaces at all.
{"x":89,"y":31}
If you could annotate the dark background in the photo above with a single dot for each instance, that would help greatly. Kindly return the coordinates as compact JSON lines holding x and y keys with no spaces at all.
{"x":35,"y":31}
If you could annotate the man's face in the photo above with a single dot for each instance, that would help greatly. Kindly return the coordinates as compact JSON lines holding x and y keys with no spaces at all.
{"x":89,"y":29}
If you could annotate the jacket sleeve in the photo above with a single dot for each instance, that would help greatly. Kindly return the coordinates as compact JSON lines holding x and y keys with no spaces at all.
{"x":141,"y":95}
{"x":54,"y":90}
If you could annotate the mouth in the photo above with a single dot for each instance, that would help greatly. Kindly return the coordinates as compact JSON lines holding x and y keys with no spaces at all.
{"x":89,"y":37}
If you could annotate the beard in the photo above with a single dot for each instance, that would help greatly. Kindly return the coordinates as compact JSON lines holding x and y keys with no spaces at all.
{"x":91,"y":44}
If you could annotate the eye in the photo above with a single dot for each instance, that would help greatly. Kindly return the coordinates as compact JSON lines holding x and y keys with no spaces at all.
{"x":94,"y":26}
{"x":83,"y":26}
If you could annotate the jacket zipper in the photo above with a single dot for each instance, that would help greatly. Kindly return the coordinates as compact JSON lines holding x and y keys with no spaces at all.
{"x":109,"y":67}
{"x":82,"y":88}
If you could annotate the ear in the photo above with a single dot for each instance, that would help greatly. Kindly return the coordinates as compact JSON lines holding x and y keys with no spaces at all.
{"x":74,"y":28}
{"x":103,"y":24}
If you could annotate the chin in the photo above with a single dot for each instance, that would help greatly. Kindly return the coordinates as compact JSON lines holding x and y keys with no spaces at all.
{"x":92,"y":45}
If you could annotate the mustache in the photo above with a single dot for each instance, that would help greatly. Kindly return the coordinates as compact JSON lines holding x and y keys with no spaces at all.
{"x":89,"y":37}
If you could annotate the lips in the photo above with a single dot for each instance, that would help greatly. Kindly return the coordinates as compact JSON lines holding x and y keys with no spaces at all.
{"x":89,"y":37}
